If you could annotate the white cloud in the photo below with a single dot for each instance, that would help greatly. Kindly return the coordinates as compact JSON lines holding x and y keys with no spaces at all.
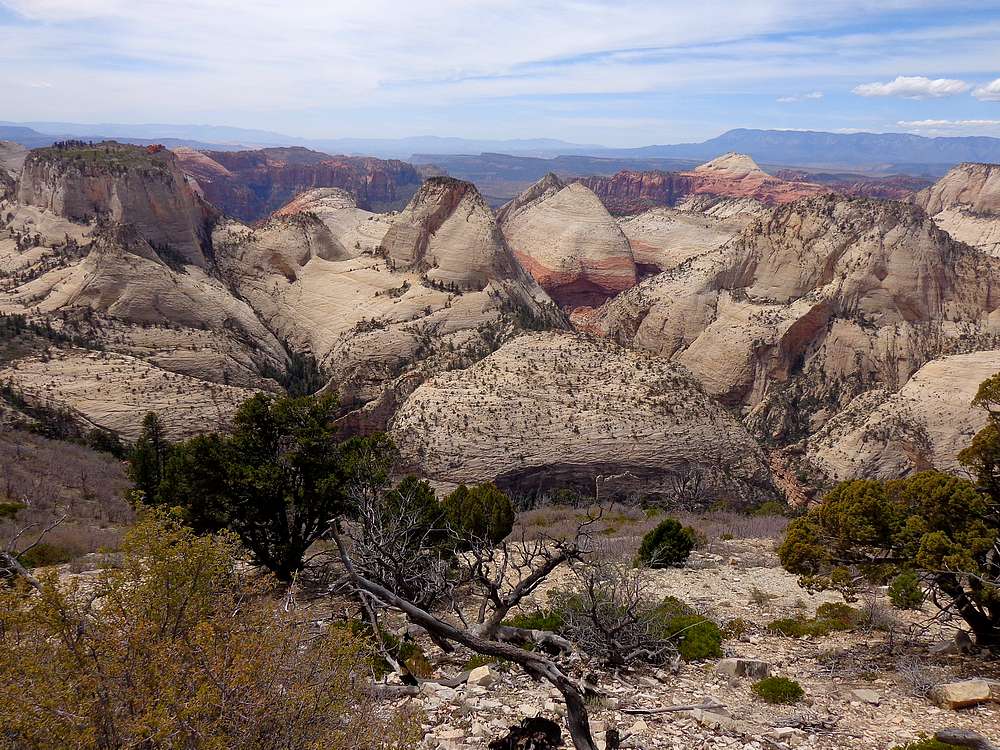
{"x":801,"y":97}
{"x":914,"y":87}
{"x":988,"y":93}
{"x":947,"y":123}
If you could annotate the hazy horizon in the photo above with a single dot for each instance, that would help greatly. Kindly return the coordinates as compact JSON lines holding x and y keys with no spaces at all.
{"x":620,"y":75}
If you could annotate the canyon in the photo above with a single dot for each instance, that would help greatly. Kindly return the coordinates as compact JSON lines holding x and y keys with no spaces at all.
{"x":646,"y":326}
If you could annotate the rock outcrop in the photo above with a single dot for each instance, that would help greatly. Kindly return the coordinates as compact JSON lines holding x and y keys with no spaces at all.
{"x":966,"y":204}
{"x":250,"y":185}
{"x":813,"y":305}
{"x":730,"y":176}
{"x":549,"y":411}
{"x":141,"y":187}
{"x":568,"y":242}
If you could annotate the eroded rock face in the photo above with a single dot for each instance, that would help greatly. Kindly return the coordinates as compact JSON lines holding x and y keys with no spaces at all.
{"x":731,"y":176}
{"x":569,"y":243}
{"x":966,"y":204}
{"x":663,"y":238}
{"x":142,"y":187}
{"x":813,"y":305}
{"x":553,"y":410}
{"x":921,"y":426}
{"x":899,"y":187}
{"x":12,"y":156}
{"x":630,"y":192}
{"x":250,"y":185}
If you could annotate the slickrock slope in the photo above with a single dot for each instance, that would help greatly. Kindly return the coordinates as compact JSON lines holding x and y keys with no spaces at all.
{"x":357,"y":230}
{"x":813,"y":305}
{"x":553,"y":410}
{"x":440,"y":290}
{"x":115,"y":392}
{"x":731,"y":175}
{"x":922,"y":425}
{"x":966,"y":204}
{"x":663,"y":238}
{"x":143,"y":187}
{"x":568,"y":242}
{"x":108,"y":287}
{"x":250,"y":185}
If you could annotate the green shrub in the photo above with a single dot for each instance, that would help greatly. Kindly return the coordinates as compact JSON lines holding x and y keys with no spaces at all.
{"x":668,"y":545}
{"x":927,"y":743}
{"x":542,"y":619}
{"x":778,"y":690}
{"x":482,"y":512}
{"x":829,"y":618}
{"x":696,"y":637}
{"x":770,"y":508}
{"x":44,"y":554}
{"x":838,"y":614}
{"x":905,"y":591}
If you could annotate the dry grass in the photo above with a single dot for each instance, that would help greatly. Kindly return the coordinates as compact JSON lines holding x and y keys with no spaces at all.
{"x":53,"y":478}
{"x":621,"y":528}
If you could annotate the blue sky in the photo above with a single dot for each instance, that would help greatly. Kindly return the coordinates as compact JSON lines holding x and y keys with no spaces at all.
{"x":623,"y":73}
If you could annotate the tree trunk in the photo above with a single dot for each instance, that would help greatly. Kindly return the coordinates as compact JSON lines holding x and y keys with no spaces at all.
{"x":533,"y":663}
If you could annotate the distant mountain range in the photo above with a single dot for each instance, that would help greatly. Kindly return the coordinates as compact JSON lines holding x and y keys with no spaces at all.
{"x":886,"y":151}
{"x":877,"y":153}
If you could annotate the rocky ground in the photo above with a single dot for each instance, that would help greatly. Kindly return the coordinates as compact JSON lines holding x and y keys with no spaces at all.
{"x":863,"y":690}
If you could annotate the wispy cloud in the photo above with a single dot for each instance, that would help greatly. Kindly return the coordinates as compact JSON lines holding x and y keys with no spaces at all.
{"x":490,"y":68}
{"x":941,"y":127}
{"x":814,"y":95}
{"x":988,"y":93}
{"x":914,"y":87}
{"x":947,"y":123}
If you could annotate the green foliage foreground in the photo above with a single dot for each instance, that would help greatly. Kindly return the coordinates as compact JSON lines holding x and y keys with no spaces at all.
{"x":932,"y":523}
{"x":183,"y":652}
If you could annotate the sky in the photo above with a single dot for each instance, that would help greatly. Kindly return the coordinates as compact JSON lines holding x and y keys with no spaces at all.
{"x":621,"y":73}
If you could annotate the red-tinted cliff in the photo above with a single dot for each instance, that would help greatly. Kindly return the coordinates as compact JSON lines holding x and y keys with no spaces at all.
{"x":252,"y":184}
{"x":731,"y":176}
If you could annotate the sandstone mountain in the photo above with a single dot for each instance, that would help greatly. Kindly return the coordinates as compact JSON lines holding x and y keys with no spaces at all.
{"x":966,"y":204}
{"x":813,"y":305}
{"x":730,"y":176}
{"x":250,"y":185}
{"x":142,"y":187}
{"x":550,"y":411}
{"x":571,"y":245}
